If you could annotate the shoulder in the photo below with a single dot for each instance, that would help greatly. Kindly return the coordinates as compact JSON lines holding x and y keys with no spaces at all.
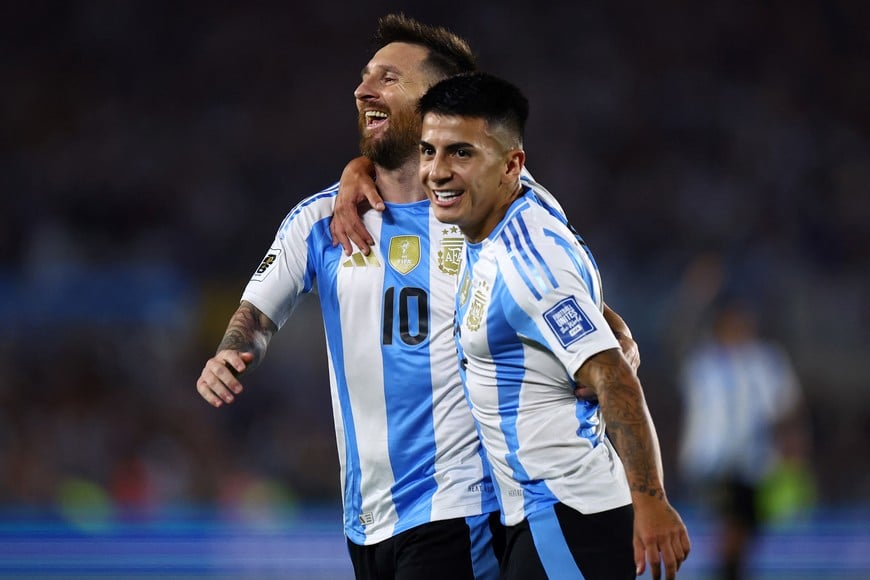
{"x":542,"y":196}
{"x":322,"y":201}
{"x":528,"y":222}
{"x":311,"y":209}
{"x":522,"y":244}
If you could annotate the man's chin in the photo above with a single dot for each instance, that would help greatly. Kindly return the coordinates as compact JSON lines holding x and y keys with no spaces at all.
{"x":447,"y":215}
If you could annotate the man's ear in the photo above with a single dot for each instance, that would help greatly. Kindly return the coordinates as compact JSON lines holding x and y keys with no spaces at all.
{"x":516,"y":159}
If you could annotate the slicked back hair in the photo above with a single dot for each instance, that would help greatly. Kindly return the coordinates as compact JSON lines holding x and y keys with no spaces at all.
{"x":480,"y":96}
{"x":449,"y":54}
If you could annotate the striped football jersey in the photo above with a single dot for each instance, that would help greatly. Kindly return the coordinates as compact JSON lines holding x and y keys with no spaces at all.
{"x":528,"y":316}
{"x":407,"y":444}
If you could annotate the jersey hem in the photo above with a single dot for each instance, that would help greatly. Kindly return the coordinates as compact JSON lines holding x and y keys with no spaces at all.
{"x":459,"y":512}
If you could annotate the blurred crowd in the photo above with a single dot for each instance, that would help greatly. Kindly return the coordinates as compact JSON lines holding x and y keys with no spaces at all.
{"x":151,"y":149}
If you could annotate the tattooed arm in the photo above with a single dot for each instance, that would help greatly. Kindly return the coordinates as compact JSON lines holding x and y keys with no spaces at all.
{"x":632,"y":355}
{"x":242,"y":348}
{"x":626,"y":342}
{"x":660,"y":537}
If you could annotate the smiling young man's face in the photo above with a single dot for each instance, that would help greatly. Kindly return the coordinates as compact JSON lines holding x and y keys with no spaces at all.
{"x":470,"y":172}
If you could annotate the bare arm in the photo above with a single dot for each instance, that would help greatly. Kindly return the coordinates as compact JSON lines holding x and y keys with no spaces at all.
{"x":242,"y":348}
{"x":632,"y":355}
{"x":626,"y":342}
{"x":356,"y":192}
{"x":623,"y":335}
{"x":660,"y":537}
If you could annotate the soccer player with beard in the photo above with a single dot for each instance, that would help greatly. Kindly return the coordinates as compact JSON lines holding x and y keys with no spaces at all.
{"x":418,"y":501}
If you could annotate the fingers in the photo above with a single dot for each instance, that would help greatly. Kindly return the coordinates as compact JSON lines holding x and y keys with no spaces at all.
{"x":584,"y":393}
{"x":217,"y":383}
{"x":667,"y":555}
{"x":685,"y":543}
{"x":630,"y":350}
{"x":670,"y":561}
{"x":664,"y":551}
{"x":339,"y":236}
{"x":360,"y":236}
{"x":639,"y":557}
{"x":374,"y":198}
{"x":682,"y":546}
{"x":347,"y":228}
{"x":356,"y":194}
{"x":332,"y":233}
{"x":654,"y":559}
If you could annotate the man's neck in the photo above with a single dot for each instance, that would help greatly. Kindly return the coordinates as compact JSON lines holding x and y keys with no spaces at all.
{"x":401,"y":185}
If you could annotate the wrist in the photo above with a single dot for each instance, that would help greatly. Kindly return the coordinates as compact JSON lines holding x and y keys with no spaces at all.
{"x":648,"y":494}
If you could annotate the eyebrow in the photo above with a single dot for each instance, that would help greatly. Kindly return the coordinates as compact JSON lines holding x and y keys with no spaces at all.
{"x":387,"y":68}
{"x":450,"y":148}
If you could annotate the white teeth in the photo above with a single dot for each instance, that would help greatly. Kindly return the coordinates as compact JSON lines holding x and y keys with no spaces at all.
{"x":445,"y":195}
{"x":376,"y":115}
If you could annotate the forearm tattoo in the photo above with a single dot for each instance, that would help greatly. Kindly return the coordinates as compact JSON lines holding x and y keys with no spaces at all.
{"x":629,"y":424}
{"x":249,"y":330}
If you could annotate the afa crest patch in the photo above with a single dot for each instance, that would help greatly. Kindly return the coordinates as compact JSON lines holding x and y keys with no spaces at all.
{"x":568,"y":321}
{"x":267,"y":265}
{"x":450,"y":254}
{"x":477,"y":311}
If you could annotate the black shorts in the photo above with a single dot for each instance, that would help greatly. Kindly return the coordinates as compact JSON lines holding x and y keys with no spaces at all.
{"x":455,"y":549}
{"x":737,"y":501}
{"x":556,"y":542}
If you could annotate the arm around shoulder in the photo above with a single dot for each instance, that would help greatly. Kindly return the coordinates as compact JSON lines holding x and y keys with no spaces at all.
{"x":356,"y":190}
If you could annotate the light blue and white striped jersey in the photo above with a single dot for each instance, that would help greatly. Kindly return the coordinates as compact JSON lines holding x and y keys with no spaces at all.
{"x":528,"y":316}
{"x":734,"y":396}
{"x":407,"y":443}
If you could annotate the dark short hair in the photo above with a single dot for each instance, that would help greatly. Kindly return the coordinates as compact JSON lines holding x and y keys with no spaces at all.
{"x":479,"y":95}
{"x":449,"y":54}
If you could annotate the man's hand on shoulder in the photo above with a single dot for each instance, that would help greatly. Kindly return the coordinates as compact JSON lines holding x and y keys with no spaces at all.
{"x":356,"y":194}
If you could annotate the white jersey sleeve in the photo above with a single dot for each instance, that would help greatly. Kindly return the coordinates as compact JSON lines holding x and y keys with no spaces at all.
{"x":554,"y":288}
{"x":289,"y":268}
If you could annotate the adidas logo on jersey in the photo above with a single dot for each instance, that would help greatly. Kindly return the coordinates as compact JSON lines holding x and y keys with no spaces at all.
{"x":357,"y":260}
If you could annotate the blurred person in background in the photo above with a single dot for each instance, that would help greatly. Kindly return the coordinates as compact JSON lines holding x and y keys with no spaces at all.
{"x":741,"y":407}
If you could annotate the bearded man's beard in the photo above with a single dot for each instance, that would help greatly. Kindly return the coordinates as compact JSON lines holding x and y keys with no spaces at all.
{"x":396,"y":145}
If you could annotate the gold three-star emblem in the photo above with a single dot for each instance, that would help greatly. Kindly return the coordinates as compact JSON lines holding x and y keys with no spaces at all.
{"x":450,"y":254}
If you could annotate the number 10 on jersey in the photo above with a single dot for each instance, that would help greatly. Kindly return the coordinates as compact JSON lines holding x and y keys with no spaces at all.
{"x":412,"y":305}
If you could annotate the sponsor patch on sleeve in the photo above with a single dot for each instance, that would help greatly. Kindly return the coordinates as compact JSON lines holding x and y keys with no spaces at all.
{"x":267,"y":265}
{"x":568,"y":321}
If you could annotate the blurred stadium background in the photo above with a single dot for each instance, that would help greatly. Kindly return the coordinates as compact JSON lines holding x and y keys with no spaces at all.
{"x":150,"y":150}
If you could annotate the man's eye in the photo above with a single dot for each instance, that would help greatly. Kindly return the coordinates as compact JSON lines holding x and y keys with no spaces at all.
{"x":462,"y":153}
